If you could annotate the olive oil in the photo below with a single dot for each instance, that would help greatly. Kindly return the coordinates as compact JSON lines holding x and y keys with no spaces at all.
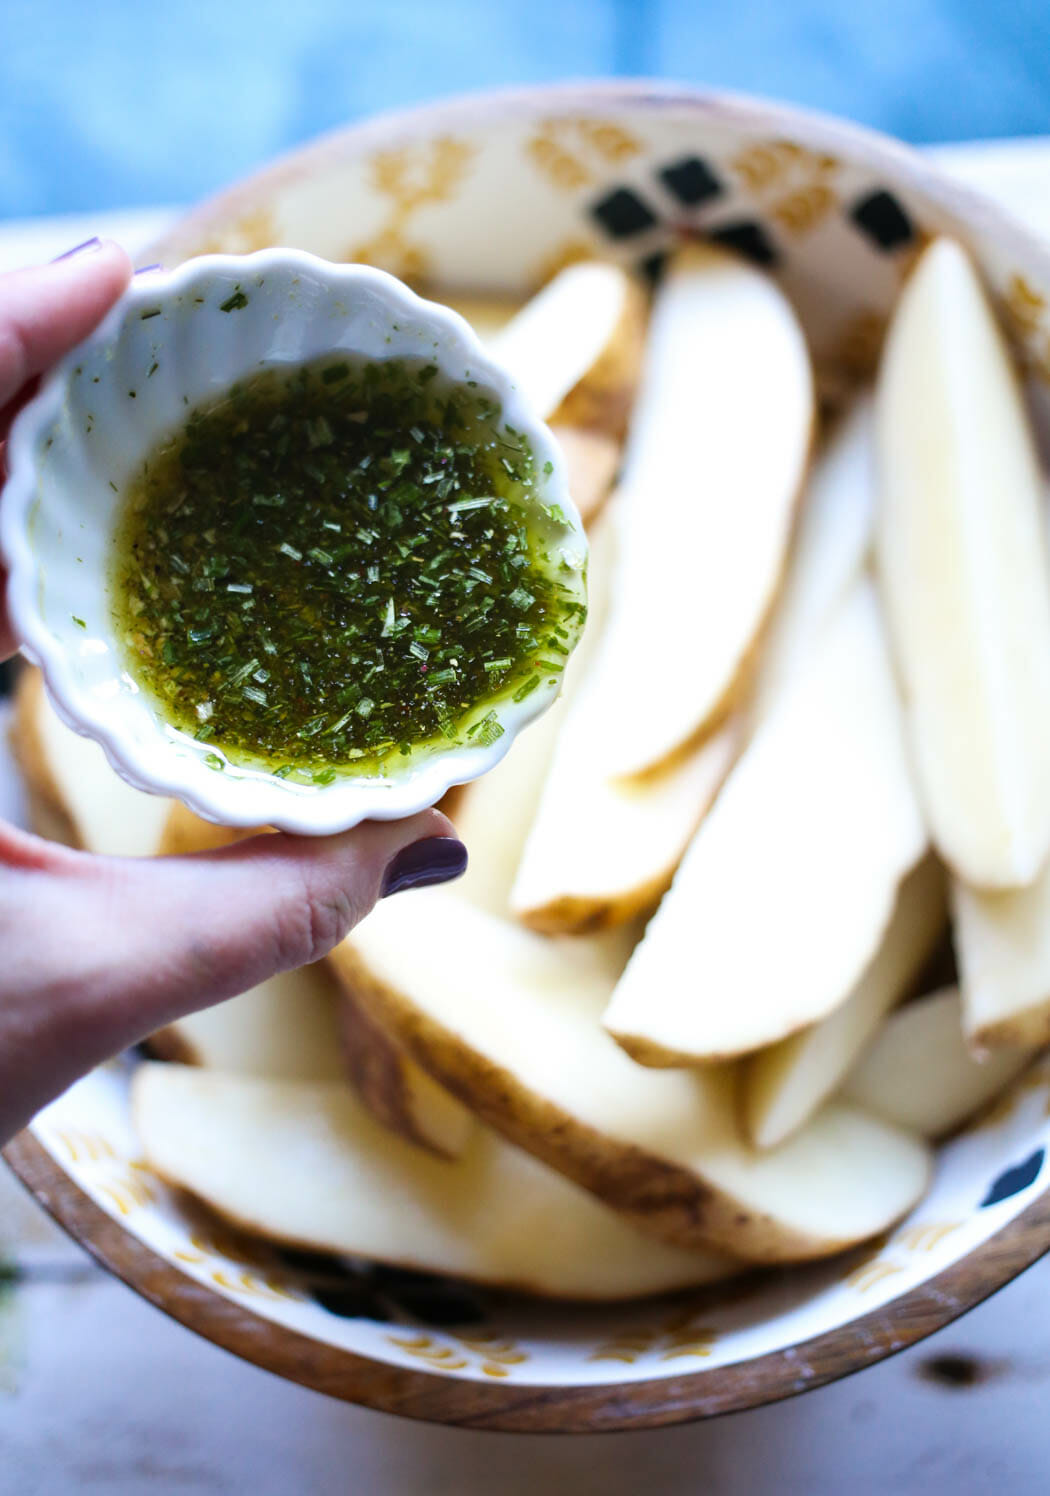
{"x":340,"y":565}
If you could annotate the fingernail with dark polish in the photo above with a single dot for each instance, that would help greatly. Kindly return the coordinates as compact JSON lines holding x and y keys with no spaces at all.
{"x":78,"y":249}
{"x":144,"y":269}
{"x":435,"y":859}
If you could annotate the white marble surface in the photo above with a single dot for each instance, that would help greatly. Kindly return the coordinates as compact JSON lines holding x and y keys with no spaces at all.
{"x":100,"y":1393}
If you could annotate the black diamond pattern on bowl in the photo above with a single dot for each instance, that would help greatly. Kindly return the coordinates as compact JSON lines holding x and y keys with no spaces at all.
{"x":881,"y":217}
{"x":383,"y":1294}
{"x":653,"y":266}
{"x":623,"y":213}
{"x":1013,"y":1180}
{"x":749,"y":239}
{"x":691,"y":181}
{"x":426,"y":1297}
{"x":354,"y":1299}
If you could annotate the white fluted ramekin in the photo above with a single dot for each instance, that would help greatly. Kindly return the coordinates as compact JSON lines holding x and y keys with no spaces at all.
{"x":173,"y":342}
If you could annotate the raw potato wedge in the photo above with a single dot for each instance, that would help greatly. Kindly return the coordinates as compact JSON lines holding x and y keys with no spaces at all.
{"x":509,"y":1022}
{"x":74,"y":795}
{"x":918,"y":1072}
{"x":830,"y":549}
{"x":787,"y":1082}
{"x":785,"y":892}
{"x":602,"y":851}
{"x":576,"y":348}
{"x":306,"y":1165}
{"x":495,"y":814}
{"x":963,"y":564}
{"x":591,"y":461}
{"x":713,"y":469}
{"x":1002,"y":941}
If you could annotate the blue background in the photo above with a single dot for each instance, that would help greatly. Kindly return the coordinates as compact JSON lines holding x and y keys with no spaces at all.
{"x":106,"y":104}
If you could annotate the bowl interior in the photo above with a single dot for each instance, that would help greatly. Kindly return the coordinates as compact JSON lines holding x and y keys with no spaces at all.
{"x":497,"y":193}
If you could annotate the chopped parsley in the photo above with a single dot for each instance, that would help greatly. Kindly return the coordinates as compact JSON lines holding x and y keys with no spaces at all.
{"x":371,"y":534}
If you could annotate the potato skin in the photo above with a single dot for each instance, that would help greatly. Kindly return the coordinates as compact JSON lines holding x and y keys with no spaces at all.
{"x":376,"y":1065}
{"x":659,"y":1197}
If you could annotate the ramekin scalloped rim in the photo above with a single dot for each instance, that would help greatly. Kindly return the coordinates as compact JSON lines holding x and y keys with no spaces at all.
{"x":168,"y":344}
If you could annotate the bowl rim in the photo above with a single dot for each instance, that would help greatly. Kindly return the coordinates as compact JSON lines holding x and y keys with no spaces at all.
{"x":254,"y":799}
{"x":657,"y":1402}
{"x":503,"y":1406}
{"x":819,"y":129}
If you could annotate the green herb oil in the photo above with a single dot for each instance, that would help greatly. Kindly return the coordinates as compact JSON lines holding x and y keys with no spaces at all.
{"x":341,"y":565}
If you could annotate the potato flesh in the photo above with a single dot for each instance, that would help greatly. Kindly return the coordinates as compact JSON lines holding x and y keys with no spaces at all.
{"x":602,"y":851}
{"x":283,"y":1029}
{"x":1002,"y":939}
{"x":807,"y":843}
{"x":785,"y":1083}
{"x":964,"y":571}
{"x":832,"y":542}
{"x":509,"y":1022}
{"x":707,"y":506}
{"x":918,"y":1072}
{"x":306,"y":1164}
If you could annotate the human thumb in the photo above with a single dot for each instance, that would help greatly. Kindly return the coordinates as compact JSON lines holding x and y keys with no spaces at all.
{"x":110,"y":949}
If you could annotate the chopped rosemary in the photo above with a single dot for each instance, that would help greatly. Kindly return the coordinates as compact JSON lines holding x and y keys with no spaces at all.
{"x":422,"y":593}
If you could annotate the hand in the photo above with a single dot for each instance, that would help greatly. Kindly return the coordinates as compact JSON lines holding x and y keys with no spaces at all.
{"x":98,"y":952}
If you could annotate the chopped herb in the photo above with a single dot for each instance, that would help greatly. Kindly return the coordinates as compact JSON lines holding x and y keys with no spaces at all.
{"x":78,"y":621}
{"x":235,"y":302}
{"x":420,"y":594}
{"x":145,"y":316}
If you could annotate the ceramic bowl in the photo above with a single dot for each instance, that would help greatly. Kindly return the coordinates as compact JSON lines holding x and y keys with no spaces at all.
{"x":174,"y":341}
{"x":497,"y":191}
